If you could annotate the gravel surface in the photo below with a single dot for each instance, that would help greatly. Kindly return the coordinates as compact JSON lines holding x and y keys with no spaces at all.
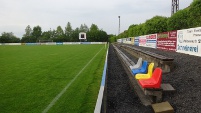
{"x":185,"y":78}
{"x":121,"y":98}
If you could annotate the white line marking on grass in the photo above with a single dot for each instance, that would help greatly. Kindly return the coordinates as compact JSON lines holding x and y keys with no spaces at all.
{"x":67,"y":86}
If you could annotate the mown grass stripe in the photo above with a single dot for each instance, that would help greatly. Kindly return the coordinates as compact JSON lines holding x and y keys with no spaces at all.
{"x":67,"y":86}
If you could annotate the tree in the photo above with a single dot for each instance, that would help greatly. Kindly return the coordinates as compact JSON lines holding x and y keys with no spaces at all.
{"x":94,"y":34}
{"x":102,"y":36}
{"x":8,"y":37}
{"x":84,"y":28}
{"x":179,"y":20}
{"x":53,"y":35}
{"x":60,"y":34}
{"x":28,"y":34}
{"x":131,"y":30}
{"x":68,"y":32}
{"x":46,"y":35}
{"x":36,"y":34}
{"x":28,"y":31}
{"x":94,"y":27}
{"x":195,"y":14}
{"x":112,"y":38}
{"x":75,"y":35}
{"x":123,"y":34}
{"x":156,"y":24}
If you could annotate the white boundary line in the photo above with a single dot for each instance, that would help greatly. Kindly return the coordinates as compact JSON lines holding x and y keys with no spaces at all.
{"x":67,"y":86}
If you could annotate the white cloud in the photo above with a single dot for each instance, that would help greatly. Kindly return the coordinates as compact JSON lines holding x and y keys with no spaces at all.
{"x":17,"y":14}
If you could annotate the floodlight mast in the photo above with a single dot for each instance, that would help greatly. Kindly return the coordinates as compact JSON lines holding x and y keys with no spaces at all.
{"x":175,"y":6}
{"x":119,"y":25}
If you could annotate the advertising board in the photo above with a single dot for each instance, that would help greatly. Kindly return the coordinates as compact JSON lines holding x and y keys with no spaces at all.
{"x":132,"y":40}
{"x":50,"y":43}
{"x":59,"y":43}
{"x":67,"y":43}
{"x":143,"y":40}
{"x":128,"y":40}
{"x":189,"y":41}
{"x":119,"y":40}
{"x":12,"y":44}
{"x":151,"y":40}
{"x":167,"y":40}
{"x":96,"y":42}
{"x":124,"y":40}
{"x":32,"y":43}
{"x":136,"y":41}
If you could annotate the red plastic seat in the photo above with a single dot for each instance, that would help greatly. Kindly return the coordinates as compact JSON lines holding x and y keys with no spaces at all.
{"x":154,"y":81}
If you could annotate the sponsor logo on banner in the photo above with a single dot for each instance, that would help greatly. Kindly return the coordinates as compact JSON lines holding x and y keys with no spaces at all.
{"x":180,"y":36}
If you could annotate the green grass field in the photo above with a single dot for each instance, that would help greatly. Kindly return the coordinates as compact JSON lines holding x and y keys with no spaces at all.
{"x":32,"y":76}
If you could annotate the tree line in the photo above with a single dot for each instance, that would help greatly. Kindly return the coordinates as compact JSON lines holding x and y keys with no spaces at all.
{"x":187,"y":18}
{"x":35,"y":34}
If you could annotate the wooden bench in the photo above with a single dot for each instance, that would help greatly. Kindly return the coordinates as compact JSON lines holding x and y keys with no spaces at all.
{"x":161,"y":57}
{"x":165,"y":63}
{"x":146,"y":95}
{"x":125,"y":58}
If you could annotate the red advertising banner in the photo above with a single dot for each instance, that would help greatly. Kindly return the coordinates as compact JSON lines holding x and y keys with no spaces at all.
{"x":167,"y":40}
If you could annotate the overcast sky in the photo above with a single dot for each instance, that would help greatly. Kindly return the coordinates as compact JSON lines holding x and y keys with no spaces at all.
{"x":16,"y":15}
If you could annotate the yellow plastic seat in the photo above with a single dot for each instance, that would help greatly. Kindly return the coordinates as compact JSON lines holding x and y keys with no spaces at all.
{"x":148,"y":75}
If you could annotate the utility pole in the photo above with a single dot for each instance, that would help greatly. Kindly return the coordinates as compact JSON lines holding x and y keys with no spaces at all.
{"x":119,"y":25}
{"x":175,"y":6}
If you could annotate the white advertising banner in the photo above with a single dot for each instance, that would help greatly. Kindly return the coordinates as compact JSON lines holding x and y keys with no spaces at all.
{"x":151,"y":41}
{"x":96,"y":42}
{"x":124,"y":40}
{"x":120,"y":40}
{"x":143,"y":40}
{"x":128,"y":41}
{"x":189,"y":41}
{"x":50,"y":43}
{"x":13,"y":44}
{"x":67,"y":43}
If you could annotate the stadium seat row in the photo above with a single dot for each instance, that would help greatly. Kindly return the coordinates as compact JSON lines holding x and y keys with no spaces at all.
{"x":145,"y":75}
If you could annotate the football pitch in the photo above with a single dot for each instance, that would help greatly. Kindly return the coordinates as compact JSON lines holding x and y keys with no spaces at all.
{"x":50,"y":79}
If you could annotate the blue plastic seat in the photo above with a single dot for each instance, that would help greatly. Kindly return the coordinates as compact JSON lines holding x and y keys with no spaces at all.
{"x":143,"y":69}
